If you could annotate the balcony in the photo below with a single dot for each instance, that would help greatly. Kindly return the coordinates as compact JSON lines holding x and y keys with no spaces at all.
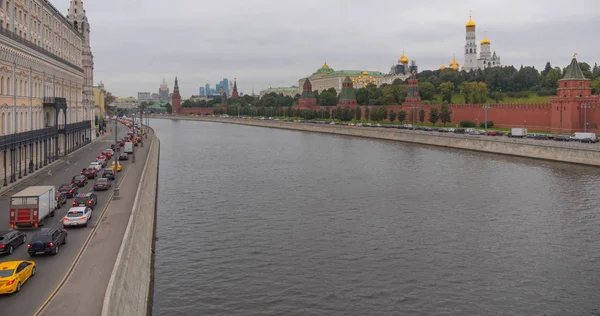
{"x":19,"y":139}
{"x":21,"y":40}
{"x":55,"y":103}
{"x":74,"y":127}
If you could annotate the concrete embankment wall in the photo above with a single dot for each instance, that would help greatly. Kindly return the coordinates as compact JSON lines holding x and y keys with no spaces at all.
{"x":587,"y":154}
{"x":129,"y":290}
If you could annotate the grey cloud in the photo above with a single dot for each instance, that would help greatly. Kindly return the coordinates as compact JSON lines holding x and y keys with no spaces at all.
{"x":275,"y":42}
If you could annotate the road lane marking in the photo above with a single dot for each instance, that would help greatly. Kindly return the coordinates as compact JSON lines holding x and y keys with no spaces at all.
{"x":79,"y":254}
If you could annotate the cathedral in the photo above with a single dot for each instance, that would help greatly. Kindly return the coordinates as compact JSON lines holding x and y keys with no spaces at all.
{"x":486,"y":58}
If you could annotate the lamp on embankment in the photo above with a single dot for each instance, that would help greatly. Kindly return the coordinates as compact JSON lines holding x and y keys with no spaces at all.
{"x":585,"y":107}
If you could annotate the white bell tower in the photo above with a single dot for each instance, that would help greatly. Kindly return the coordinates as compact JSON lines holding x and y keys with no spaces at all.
{"x":470,"y":46}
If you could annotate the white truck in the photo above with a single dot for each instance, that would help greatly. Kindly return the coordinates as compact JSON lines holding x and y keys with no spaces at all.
{"x":128,"y":148}
{"x":518,"y":132}
{"x":31,"y":206}
{"x":585,"y":137}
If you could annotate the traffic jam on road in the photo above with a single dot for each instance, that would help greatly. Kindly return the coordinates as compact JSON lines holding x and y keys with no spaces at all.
{"x":35,"y":205}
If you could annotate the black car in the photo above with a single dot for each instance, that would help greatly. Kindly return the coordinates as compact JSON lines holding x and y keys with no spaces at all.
{"x":123,"y":156}
{"x":70,"y":189}
{"x":102,"y":184}
{"x":90,"y":173}
{"x":61,"y":199}
{"x":108,"y":173}
{"x":46,"y":241}
{"x":80,"y":180}
{"x":9,"y":240}
{"x":86,"y":199}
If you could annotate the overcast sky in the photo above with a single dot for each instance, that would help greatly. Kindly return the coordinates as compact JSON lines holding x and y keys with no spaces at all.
{"x":273,"y":43}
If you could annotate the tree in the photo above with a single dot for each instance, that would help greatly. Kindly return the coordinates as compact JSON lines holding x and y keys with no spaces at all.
{"x":426,"y":90}
{"x":480,"y":93}
{"x":546,"y":69}
{"x":422,"y":116}
{"x":358,"y":113}
{"x":328,"y":98}
{"x":433,"y":116}
{"x":169,"y":108}
{"x":445,"y":114}
{"x":596,"y":86}
{"x":367,"y":114}
{"x":402,"y":116}
{"x":392,"y":115}
{"x":446,"y":89}
{"x":109,"y":99}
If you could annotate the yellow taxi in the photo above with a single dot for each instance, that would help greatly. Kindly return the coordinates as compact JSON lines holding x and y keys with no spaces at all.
{"x":119,"y":166}
{"x":13,"y":274}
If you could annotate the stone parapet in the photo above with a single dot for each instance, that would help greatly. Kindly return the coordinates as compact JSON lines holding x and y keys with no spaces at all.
{"x":129,"y":291}
{"x":586,"y":154}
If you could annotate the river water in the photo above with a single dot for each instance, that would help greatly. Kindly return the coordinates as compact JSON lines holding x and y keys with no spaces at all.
{"x":257,"y":221}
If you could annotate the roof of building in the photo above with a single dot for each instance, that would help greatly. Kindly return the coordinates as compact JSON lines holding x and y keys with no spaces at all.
{"x":403,"y":59}
{"x":329,"y":72}
{"x":485,"y":41}
{"x":574,"y":71}
{"x":470,"y":23}
{"x":282,"y":89}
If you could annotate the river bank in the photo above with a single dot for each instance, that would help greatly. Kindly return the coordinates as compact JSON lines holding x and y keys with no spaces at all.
{"x":586,"y":154}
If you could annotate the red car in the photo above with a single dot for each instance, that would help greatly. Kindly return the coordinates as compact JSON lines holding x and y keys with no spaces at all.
{"x":106,"y":154}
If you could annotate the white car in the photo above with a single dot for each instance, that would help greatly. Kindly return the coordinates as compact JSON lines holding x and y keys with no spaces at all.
{"x":77,"y":216}
{"x":108,"y":150}
{"x":96,"y":165}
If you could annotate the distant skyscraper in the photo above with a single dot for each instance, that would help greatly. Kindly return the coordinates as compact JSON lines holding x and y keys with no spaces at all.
{"x":225,"y":85}
{"x":207,"y":88}
{"x":218,"y":88}
{"x":202,"y":92}
{"x":163,"y":91}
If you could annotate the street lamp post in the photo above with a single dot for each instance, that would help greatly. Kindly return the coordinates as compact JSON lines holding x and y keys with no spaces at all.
{"x":486,"y":107}
{"x":133,"y":147}
{"x":585,"y":107}
{"x":525,"y":124}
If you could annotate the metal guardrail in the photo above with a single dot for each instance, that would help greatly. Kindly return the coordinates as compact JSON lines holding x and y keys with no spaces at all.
{"x":21,"y":40}
{"x":14,"y":140}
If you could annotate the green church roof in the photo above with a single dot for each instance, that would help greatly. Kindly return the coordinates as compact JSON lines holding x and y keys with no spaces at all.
{"x":574,"y":71}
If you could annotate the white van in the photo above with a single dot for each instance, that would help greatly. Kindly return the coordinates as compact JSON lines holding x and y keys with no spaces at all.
{"x":585,"y":137}
{"x":128,"y":148}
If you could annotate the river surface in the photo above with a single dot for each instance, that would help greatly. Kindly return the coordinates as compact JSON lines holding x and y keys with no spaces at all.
{"x":258,"y":221}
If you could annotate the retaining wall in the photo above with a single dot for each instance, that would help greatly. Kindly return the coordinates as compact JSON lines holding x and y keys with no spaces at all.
{"x":587,"y":154}
{"x":129,"y":290}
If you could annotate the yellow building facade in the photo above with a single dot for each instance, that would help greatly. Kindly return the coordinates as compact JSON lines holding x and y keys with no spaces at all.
{"x":326,"y":77}
{"x":44,"y":56}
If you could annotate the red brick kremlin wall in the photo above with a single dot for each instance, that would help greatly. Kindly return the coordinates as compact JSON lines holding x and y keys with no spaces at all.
{"x":197,"y":111}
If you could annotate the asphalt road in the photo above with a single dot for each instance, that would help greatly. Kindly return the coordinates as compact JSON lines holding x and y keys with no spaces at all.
{"x":51,"y":269}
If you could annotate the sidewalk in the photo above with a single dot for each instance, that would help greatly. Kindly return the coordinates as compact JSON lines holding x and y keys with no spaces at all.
{"x":90,"y":277}
{"x":58,"y":163}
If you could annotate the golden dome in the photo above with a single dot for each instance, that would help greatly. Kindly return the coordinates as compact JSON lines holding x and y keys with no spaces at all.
{"x":442,"y":67}
{"x":454,"y":66}
{"x":325,"y":66}
{"x":454,"y":63}
{"x":470,"y":23}
{"x":485,"y":41}
{"x":366,"y":73}
{"x":403,"y":59}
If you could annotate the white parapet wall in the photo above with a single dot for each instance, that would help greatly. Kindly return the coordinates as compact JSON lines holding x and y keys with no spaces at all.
{"x":129,"y":288}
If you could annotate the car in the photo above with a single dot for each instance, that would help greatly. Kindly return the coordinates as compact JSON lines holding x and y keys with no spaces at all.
{"x":80,"y":180}
{"x":47,"y":241}
{"x":61,"y":199}
{"x":102,"y":156}
{"x":108,"y":173}
{"x":112,"y":146}
{"x":106,"y":155}
{"x":102,"y":184}
{"x":13,"y":274}
{"x":77,"y":216}
{"x":69,"y":189}
{"x":102,"y":162}
{"x":9,"y":240}
{"x":118,"y":164}
{"x":95,"y":165}
{"x":123,"y":156}
{"x":90,"y":173}
{"x":110,"y":151}
{"x":86,"y":199}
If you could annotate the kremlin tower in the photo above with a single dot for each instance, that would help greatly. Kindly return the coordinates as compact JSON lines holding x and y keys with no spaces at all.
{"x":176,"y":98}
{"x":234,"y":93}
{"x":348,"y":96}
{"x":307,"y":99}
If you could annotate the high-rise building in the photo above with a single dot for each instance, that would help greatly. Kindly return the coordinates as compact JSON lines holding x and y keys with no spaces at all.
{"x":225,"y":84}
{"x":144,"y":96}
{"x":207,"y":88}
{"x":201,"y":91}
{"x":163,"y":91}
